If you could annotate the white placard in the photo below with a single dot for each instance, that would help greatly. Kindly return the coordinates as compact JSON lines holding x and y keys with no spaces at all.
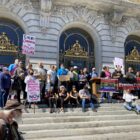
{"x":28,"y":45}
{"x":33,"y":91}
{"x":118,"y":62}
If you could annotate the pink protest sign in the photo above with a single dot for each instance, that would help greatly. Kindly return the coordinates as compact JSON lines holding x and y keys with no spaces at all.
{"x":33,"y":91}
{"x":28,"y":46}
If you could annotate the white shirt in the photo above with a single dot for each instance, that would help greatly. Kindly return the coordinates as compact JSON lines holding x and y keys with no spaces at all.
{"x":128,"y":97}
{"x":27,"y":78}
{"x":52,"y":76}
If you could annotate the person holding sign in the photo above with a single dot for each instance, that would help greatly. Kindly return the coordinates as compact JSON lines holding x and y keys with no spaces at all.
{"x":61,"y":74}
{"x":28,"y":78}
{"x":41,"y":75}
{"x":105,"y":74}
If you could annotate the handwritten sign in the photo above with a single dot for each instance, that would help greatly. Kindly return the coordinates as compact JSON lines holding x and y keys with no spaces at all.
{"x":28,"y":46}
{"x":64,"y":78}
{"x":33,"y":91}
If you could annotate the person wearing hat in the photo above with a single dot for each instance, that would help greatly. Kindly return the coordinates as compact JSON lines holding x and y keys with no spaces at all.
{"x":94,"y":73}
{"x":5,"y":84}
{"x":9,"y":117}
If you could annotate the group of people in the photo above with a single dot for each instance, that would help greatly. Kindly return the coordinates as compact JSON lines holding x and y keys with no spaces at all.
{"x":13,"y":81}
{"x":57,"y":93}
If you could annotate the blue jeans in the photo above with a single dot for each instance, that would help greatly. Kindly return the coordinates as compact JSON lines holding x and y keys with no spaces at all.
{"x":84,"y":101}
{"x":107,"y":96}
{"x":131,"y":106}
{"x":3,"y":98}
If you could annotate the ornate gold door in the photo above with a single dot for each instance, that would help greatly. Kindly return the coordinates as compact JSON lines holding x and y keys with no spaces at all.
{"x":76,"y":49}
{"x":11,"y":36}
{"x":132,"y":53}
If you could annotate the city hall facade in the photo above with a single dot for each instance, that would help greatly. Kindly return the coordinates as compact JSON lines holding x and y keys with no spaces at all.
{"x":83,"y":33}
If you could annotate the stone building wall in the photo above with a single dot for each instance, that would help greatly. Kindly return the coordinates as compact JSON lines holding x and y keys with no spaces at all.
{"x":108,"y":32}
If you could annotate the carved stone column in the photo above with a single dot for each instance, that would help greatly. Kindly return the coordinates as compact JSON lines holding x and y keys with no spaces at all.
{"x":45,"y":12}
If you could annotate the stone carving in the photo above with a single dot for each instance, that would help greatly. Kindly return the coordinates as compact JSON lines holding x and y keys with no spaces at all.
{"x":82,"y":13}
{"x":11,"y":4}
{"x":76,"y":12}
{"x":25,"y":4}
{"x":6,"y":46}
{"x":115,"y":19}
{"x":76,"y":51}
{"x":45,"y":13}
{"x":134,"y":55}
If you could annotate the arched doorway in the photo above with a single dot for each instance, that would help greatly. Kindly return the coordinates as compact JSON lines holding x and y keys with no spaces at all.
{"x":76,"y":48}
{"x":132,"y":52}
{"x":11,"y":35}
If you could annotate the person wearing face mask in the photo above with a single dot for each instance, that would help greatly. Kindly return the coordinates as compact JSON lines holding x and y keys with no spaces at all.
{"x":9,"y":118}
{"x":62,"y":71}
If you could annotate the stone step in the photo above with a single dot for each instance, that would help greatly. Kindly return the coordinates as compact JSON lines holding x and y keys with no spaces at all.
{"x":80,"y":131}
{"x":75,"y":113}
{"x":69,"y":125}
{"x":109,"y":136}
{"x":38,"y":106}
{"x":111,"y":122}
{"x":59,"y":119}
{"x":111,"y":108}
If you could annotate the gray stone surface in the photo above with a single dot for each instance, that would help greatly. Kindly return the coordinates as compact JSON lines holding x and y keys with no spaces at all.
{"x":111,"y":122}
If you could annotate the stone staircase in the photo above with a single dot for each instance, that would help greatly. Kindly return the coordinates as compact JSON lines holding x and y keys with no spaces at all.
{"x":111,"y":122}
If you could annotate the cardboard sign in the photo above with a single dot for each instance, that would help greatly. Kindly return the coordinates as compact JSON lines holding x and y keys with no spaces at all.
{"x":33,"y":91}
{"x":28,"y":46}
{"x":64,"y":78}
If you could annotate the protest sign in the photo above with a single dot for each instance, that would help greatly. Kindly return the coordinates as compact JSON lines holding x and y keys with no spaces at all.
{"x":28,"y":46}
{"x":33,"y":91}
{"x":113,"y":85}
{"x":108,"y":85}
{"x":64,"y":78}
{"x":118,"y":63}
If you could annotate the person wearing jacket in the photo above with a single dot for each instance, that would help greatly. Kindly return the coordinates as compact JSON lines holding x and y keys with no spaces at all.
{"x":5,"y":84}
